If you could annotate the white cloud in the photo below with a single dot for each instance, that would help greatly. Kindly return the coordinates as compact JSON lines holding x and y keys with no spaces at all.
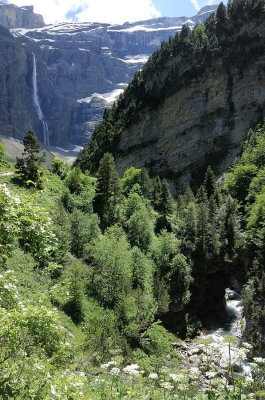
{"x":195,"y":4}
{"x":114,"y":11}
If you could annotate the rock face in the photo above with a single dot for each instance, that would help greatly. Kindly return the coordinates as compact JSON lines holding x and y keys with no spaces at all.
{"x":17,"y":109}
{"x":81,"y":69}
{"x":15,"y":94}
{"x":12,"y":16}
{"x":203,"y":122}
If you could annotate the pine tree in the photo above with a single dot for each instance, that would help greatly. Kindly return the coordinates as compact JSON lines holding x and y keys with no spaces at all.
{"x":202,"y":230}
{"x":209,"y":182}
{"x":145,"y":184}
{"x":28,"y":166}
{"x":108,"y":191}
{"x":75,"y":304}
{"x":163,"y":203}
{"x":230,"y":227}
{"x":190,"y":229}
{"x":220,"y":17}
{"x":201,"y":195}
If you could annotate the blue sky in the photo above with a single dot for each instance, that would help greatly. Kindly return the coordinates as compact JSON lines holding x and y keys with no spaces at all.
{"x":173,"y":8}
{"x":113,"y":11}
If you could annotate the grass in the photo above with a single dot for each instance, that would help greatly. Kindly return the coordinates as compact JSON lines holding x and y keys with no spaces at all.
{"x":47,"y":198}
{"x":6,"y":167}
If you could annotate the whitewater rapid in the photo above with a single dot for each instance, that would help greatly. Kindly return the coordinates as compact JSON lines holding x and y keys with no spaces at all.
{"x":234,"y":328}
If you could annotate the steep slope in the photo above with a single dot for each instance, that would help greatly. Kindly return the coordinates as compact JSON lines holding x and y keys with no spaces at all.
{"x":82,"y":67}
{"x":194,"y":101}
{"x":12,"y":16}
{"x":19,"y":111}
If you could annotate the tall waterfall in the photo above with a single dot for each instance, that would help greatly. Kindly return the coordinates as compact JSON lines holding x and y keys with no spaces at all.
{"x":37,"y":102}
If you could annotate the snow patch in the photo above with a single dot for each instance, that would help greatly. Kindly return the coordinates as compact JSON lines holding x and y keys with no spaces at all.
{"x":109,"y":97}
{"x":146,"y":29}
{"x":137,"y":59}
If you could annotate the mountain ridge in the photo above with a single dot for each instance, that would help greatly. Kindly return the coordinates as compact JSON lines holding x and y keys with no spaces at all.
{"x":80,"y":68}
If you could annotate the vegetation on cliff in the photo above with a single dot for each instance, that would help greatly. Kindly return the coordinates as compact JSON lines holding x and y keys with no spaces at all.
{"x":223,"y":39}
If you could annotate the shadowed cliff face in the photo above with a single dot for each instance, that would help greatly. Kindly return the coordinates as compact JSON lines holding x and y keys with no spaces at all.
{"x":81,"y":69}
{"x":15,"y":94}
{"x":203,"y":122}
{"x":12,"y":16}
{"x":197,"y":125}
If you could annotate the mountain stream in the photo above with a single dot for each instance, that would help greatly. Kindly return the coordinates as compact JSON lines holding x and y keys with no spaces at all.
{"x":232,"y":330}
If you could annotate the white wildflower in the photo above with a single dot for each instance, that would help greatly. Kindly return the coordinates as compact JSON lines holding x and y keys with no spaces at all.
{"x":174,"y":377}
{"x":259,"y":360}
{"x":109,"y":364}
{"x":177,"y":377}
{"x":195,"y":370}
{"x":132,"y":369}
{"x":247,"y":345}
{"x":183,"y":387}
{"x":210,"y":374}
{"x":115,"y":371}
{"x":53,"y":390}
{"x":153,"y":376}
{"x":38,"y":366}
{"x":76,"y":384}
{"x":249,"y":379}
{"x":166,"y":385}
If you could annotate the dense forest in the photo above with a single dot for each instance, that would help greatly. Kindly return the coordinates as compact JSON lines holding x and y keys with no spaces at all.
{"x":107,"y":281}
{"x":90,"y":266}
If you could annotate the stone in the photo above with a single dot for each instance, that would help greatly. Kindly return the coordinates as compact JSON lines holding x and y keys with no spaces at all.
{"x":12,"y":16}
{"x":75,"y":61}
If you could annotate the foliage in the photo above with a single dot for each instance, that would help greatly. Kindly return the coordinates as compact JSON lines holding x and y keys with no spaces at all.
{"x":58,"y":167}
{"x":111,"y":267}
{"x":107,"y":191}
{"x":2,"y":152}
{"x":28,"y":166}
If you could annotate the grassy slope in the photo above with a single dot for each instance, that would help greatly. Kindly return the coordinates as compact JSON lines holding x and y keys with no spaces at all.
{"x":32,"y":285}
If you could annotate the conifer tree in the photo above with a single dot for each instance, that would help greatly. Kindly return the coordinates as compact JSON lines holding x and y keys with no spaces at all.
{"x":220,"y":17}
{"x":201,"y":195}
{"x":209,"y":182}
{"x":75,"y":304}
{"x":163,"y":202}
{"x":28,"y":167}
{"x":145,"y":184}
{"x":108,"y":191}
{"x":202,"y":230}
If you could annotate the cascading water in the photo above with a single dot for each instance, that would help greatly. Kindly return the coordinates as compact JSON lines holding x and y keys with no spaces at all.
{"x":37,"y":102}
{"x":233,"y":327}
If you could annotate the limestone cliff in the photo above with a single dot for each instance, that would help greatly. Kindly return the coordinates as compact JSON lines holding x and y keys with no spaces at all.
{"x":189,"y":108}
{"x":18,"y":112}
{"x":12,"y":16}
{"x":82,"y":67}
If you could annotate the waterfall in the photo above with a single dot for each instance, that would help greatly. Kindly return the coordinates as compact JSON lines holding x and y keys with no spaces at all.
{"x":37,"y":102}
